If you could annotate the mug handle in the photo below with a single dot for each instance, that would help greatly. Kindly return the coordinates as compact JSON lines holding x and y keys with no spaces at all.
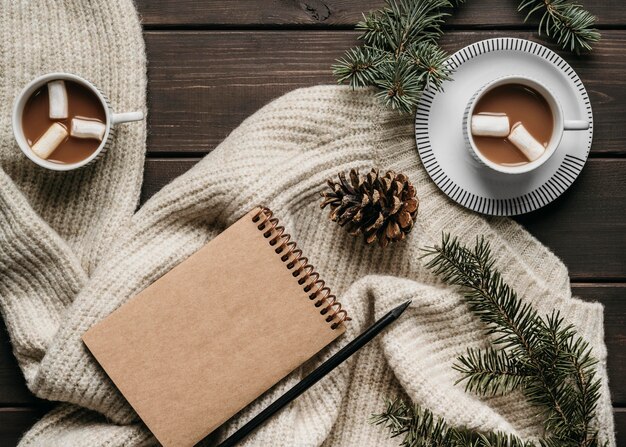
{"x":575,"y":125}
{"x":118,"y":118}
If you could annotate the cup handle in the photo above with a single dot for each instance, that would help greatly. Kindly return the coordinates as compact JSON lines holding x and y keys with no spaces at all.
{"x":575,"y":125}
{"x":117,"y":118}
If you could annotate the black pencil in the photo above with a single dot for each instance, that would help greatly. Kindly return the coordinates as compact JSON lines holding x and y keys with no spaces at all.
{"x":316,"y":375}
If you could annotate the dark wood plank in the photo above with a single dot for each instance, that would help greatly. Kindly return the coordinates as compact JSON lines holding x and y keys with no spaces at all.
{"x":613,"y":297}
{"x":585,"y":227}
{"x":13,"y":390}
{"x":158,"y":172}
{"x":203,"y":84}
{"x":15,"y":421}
{"x":620,"y":425}
{"x":332,"y":13}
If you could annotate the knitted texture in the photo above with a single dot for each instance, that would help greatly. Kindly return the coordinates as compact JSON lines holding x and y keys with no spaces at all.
{"x":57,"y":281}
{"x":60,"y":36}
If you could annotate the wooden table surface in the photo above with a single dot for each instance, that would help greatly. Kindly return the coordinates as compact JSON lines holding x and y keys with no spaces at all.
{"x":213,"y":63}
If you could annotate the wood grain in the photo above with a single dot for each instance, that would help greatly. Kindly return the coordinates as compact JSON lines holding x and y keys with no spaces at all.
{"x":613,"y":297}
{"x":13,"y":389}
{"x":585,"y":227}
{"x":202,"y":84}
{"x":15,"y":421}
{"x":620,"y":424}
{"x":333,"y":13}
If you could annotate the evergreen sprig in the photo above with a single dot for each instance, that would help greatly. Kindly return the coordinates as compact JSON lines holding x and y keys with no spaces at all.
{"x":420,"y":428}
{"x":543,"y":358}
{"x":568,"y":23}
{"x":400,"y":55}
{"x":401,"y":58}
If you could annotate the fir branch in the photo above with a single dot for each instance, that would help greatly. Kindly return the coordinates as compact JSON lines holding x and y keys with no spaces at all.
{"x":490,"y":372}
{"x":420,"y":428}
{"x":558,"y":367}
{"x":544,"y":358}
{"x":567,"y":22}
{"x":359,"y":67}
{"x":400,"y":56}
{"x":409,"y":29}
{"x":430,"y":60}
{"x":400,"y":84}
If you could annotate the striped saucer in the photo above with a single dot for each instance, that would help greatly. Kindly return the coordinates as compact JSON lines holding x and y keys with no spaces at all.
{"x":439,"y":132}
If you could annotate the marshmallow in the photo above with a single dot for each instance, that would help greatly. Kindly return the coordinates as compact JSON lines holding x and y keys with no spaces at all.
{"x":57,"y":100}
{"x":87,"y":129}
{"x":49,"y":141}
{"x":490,"y":125}
{"x":525,"y":142}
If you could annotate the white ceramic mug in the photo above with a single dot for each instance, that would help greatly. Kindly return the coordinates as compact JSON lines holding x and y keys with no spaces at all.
{"x":560,"y":123}
{"x":111,"y":120}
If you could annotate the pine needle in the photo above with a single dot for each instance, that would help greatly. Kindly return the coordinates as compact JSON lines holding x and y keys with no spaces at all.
{"x":544,"y":358}
{"x":567,"y":22}
{"x":400,"y":55}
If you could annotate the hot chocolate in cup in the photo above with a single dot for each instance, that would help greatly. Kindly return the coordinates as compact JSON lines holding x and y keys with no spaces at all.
{"x":558,"y":124}
{"x":105,"y":124}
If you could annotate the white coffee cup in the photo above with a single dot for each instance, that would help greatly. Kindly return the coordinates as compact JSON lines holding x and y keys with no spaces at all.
{"x":559,"y":122}
{"x":111,"y":120}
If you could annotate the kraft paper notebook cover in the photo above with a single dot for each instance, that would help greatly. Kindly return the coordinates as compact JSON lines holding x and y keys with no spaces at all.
{"x":217,"y":331}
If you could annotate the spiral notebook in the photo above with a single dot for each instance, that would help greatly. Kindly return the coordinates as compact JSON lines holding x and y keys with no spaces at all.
{"x":218,"y":330}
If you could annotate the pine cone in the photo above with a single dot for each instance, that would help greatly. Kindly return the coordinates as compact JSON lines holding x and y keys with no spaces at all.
{"x":379,"y":207}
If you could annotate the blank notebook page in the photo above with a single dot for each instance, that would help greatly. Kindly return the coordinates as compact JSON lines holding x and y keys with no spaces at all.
{"x":213,"y":334}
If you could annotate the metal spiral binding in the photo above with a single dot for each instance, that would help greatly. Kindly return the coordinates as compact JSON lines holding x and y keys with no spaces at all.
{"x":305,"y":272}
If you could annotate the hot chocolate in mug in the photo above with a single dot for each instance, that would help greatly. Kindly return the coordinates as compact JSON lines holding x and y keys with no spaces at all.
{"x":57,"y":128}
{"x":559,"y":123}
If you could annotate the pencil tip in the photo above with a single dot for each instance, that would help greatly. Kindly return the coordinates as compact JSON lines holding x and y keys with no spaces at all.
{"x":401,"y":308}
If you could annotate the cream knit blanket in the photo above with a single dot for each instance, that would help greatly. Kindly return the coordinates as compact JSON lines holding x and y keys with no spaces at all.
{"x":72,"y":251}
